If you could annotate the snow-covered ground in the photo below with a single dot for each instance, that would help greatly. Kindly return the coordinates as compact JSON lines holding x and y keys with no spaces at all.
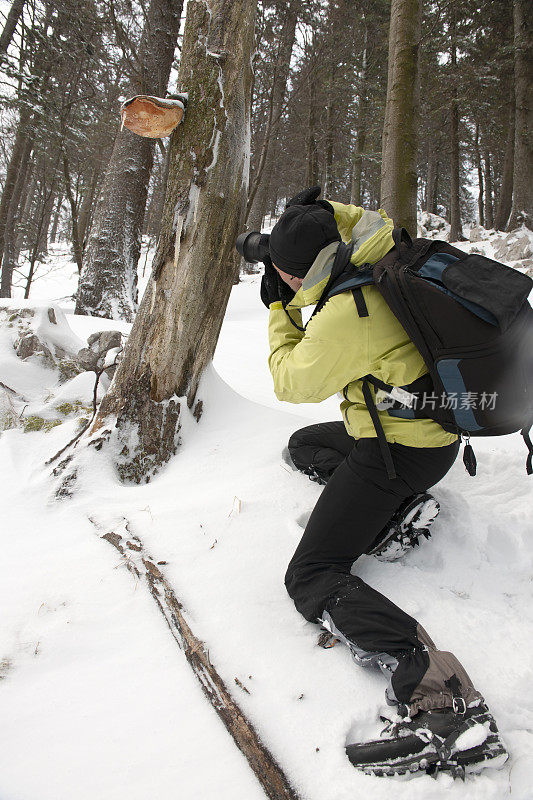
{"x":97,"y":701}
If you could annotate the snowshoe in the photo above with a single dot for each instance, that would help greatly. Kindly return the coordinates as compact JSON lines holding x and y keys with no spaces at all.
{"x":432,"y":742}
{"x":410,"y":522}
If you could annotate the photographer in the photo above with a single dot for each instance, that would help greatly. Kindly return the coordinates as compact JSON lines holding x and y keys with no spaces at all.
{"x":362,"y":509}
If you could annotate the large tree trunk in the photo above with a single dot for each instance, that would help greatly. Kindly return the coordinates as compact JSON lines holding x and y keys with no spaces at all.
{"x":108,"y":281}
{"x":506,"y":193}
{"x":398,"y":171}
{"x":177,"y":326}
{"x":522,"y":208}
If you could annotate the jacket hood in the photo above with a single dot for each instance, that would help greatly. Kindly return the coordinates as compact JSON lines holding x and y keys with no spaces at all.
{"x":372,"y":239}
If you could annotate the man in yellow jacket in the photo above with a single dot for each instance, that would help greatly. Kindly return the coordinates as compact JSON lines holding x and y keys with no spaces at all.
{"x":362,"y":510}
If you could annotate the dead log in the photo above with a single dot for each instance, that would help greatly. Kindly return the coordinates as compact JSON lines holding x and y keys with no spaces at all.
{"x":268,"y":772}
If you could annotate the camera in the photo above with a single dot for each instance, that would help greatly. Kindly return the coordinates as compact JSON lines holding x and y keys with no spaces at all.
{"x":253,"y":246}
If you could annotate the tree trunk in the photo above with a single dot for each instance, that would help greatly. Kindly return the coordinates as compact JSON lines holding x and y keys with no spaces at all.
{"x":489,"y":215}
{"x":311,"y":176}
{"x":506,"y":193}
{"x":10,"y":229}
{"x":42,"y":247}
{"x":480,"y":181}
{"x":11,"y":23}
{"x":522,"y":207}
{"x":177,"y":326}
{"x":260,"y":191}
{"x":456,"y":232}
{"x":108,"y":283}
{"x":398,"y":172}
{"x":55,"y":222}
{"x":432,"y":179}
{"x":357,"y":158}
{"x":86,"y":207}
{"x":19,"y":158}
{"x":329,"y":188}
{"x":76,"y":244}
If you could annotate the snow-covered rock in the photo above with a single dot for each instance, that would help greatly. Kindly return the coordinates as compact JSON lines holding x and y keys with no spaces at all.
{"x":515,"y":246}
{"x":433,"y":227}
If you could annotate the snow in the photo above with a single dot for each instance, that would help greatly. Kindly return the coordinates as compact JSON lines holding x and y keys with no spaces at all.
{"x":472,"y":737}
{"x":96,"y":698}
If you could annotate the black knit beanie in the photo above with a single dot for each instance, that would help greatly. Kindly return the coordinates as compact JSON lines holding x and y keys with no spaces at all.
{"x":299,"y":235}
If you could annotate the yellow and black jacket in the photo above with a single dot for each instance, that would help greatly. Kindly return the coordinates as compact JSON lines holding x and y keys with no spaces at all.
{"x":338,"y":347}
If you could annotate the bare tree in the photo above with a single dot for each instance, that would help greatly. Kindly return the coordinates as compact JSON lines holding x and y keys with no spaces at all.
{"x":398,"y":172}
{"x":177,"y":326}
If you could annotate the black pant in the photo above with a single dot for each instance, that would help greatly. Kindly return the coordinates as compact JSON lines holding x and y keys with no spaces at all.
{"x":356,"y":504}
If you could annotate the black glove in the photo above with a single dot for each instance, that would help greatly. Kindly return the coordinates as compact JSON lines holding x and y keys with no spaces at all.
{"x":273,"y":288}
{"x":308,"y":197}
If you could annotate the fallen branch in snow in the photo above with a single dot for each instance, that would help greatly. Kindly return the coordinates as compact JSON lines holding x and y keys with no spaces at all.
{"x":268,"y":772}
{"x":12,"y":391}
{"x":85,"y":427}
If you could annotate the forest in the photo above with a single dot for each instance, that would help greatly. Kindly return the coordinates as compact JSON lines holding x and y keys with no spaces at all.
{"x":318,"y":116}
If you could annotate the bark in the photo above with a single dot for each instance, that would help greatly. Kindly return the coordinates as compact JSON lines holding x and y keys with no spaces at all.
{"x":399,"y":175}
{"x":177,"y":326}
{"x":506,"y":193}
{"x":108,"y":283}
{"x":489,"y":215}
{"x":480,"y":181}
{"x":144,"y":568}
{"x":11,"y":23}
{"x":522,"y":207}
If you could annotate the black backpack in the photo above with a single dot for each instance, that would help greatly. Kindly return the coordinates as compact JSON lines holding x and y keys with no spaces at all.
{"x":470,"y":318}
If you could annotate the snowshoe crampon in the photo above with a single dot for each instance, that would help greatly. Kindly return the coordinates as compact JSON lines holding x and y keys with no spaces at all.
{"x":433,"y":742}
{"x":410,"y":522}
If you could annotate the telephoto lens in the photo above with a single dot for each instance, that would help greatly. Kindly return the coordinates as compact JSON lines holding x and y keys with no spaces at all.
{"x":253,"y":246}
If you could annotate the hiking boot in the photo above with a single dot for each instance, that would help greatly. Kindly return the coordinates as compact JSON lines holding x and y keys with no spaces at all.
{"x":410,"y":522}
{"x":434,"y":741}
